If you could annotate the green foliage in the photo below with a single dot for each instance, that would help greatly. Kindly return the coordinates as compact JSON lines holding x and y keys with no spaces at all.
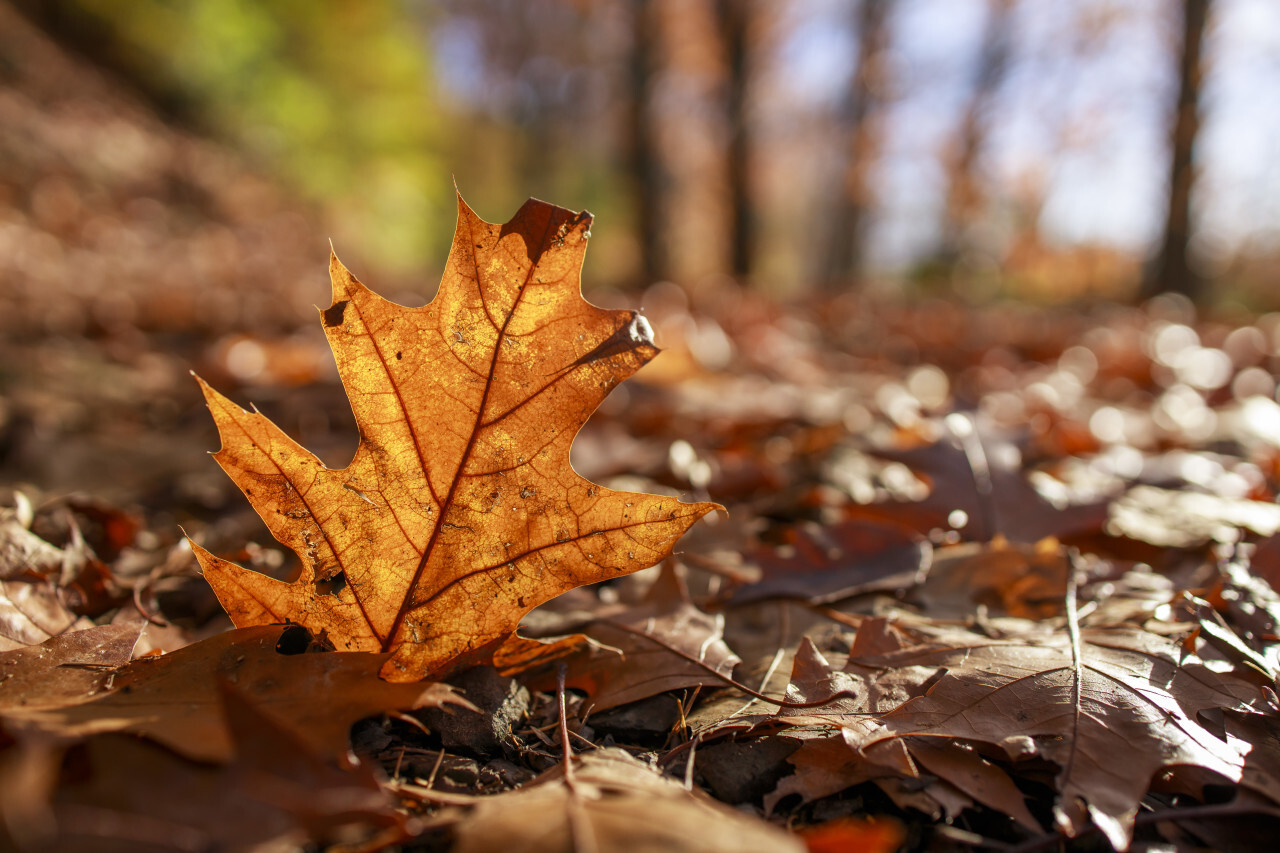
{"x":334,"y":95}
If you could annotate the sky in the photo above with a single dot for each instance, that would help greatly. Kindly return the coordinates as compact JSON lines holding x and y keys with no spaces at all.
{"x":1085,"y":115}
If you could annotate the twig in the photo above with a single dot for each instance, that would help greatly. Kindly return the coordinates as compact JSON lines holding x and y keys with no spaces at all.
{"x":561,"y":671}
{"x":431,"y":779}
{"x":688,"y":767}
{"x":399,"y":758}
{"x":582,"y":835}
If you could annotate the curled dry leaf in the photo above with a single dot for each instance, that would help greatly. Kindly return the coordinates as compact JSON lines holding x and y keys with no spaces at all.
{"x":629,"y":653}
{"x":21,"y":551}
{"x":460,"y":511}
{"x":32,"y":611}
{"x":175,"y":699}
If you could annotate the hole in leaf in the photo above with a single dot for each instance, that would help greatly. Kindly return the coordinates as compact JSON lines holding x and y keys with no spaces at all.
{"x":294,"y":641}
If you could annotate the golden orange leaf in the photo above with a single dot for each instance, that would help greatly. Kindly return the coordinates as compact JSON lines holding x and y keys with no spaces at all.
{"x":460,"y":511}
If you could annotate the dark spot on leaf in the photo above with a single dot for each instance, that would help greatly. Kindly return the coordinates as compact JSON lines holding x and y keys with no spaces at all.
{"x":334,"y":313}
{"x":399,"y":356}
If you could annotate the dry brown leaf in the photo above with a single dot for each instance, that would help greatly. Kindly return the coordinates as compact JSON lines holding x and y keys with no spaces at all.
{"x":21,"y":551}
{"x":32,"y":611}
{"x":1129,"y":708}
{"x":66,"y":669}
{"x":823,"y":769}
{"x":175,"y":700}
{"x":615,"y":803}
{"x":623,"y":663}
{"x":460,"y":511}
{"x":124,"y":794}
{"x":1007,"y":578}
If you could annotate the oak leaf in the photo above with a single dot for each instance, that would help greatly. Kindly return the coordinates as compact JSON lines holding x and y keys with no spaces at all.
{"x":460,"y":511}
{"x":826,"y":766}
{"x":1112,"y":716}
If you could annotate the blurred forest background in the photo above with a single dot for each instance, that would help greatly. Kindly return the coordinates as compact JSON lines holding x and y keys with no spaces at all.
{"x":171,"y":174}
{"x":982,"y":147}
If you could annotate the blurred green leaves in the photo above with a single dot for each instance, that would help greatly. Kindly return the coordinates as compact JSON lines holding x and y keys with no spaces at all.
{"x":335,"y":96}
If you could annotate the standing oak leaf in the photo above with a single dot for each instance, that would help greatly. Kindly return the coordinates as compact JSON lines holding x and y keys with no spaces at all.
{"x":460,"y":511}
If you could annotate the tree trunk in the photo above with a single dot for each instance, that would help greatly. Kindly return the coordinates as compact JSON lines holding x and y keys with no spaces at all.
{"x":735,"y":25}
{"x":845,"y":236}
{"x":965,"y":196}
{"x":1172,"y":272}
{"x":642,"y":146}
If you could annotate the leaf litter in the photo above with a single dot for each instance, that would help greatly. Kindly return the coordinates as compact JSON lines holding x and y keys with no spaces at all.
{"x":1007,"y":590}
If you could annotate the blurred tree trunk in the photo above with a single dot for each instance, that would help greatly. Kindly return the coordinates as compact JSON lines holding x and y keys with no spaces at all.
{"x":965,"y":198}
{"x":845,"y":236}
{"x":642,"y":145}
{"x":1172,"y":271}
{"x":735,"y":26}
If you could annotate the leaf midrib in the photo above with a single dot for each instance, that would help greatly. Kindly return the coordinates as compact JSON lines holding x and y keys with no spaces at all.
{"x":388,"y":642}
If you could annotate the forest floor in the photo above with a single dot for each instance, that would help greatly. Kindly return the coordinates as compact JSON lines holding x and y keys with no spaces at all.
{"x":1014,"y":561}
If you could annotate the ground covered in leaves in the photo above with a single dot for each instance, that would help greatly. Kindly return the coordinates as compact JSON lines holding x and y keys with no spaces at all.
{"x":995,"y":577}
{"x":987,"y":578}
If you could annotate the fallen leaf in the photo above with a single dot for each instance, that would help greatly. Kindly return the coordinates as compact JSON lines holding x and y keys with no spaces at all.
{"x":23,"y":552}
{"x":1007,"y":578}
{"x":126,"y":794}
{"x":460,"y":511}
{"x":630,"y":655}
{"x":274,"y":766}
{"x":614,"y":803}
{"x":1129,"y":707}
{"x":66,"y":669}
{"x":824,"y":768}
{"x":123,"y":795}
{"x":32,"y":611}
{"x":174,"y":698}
